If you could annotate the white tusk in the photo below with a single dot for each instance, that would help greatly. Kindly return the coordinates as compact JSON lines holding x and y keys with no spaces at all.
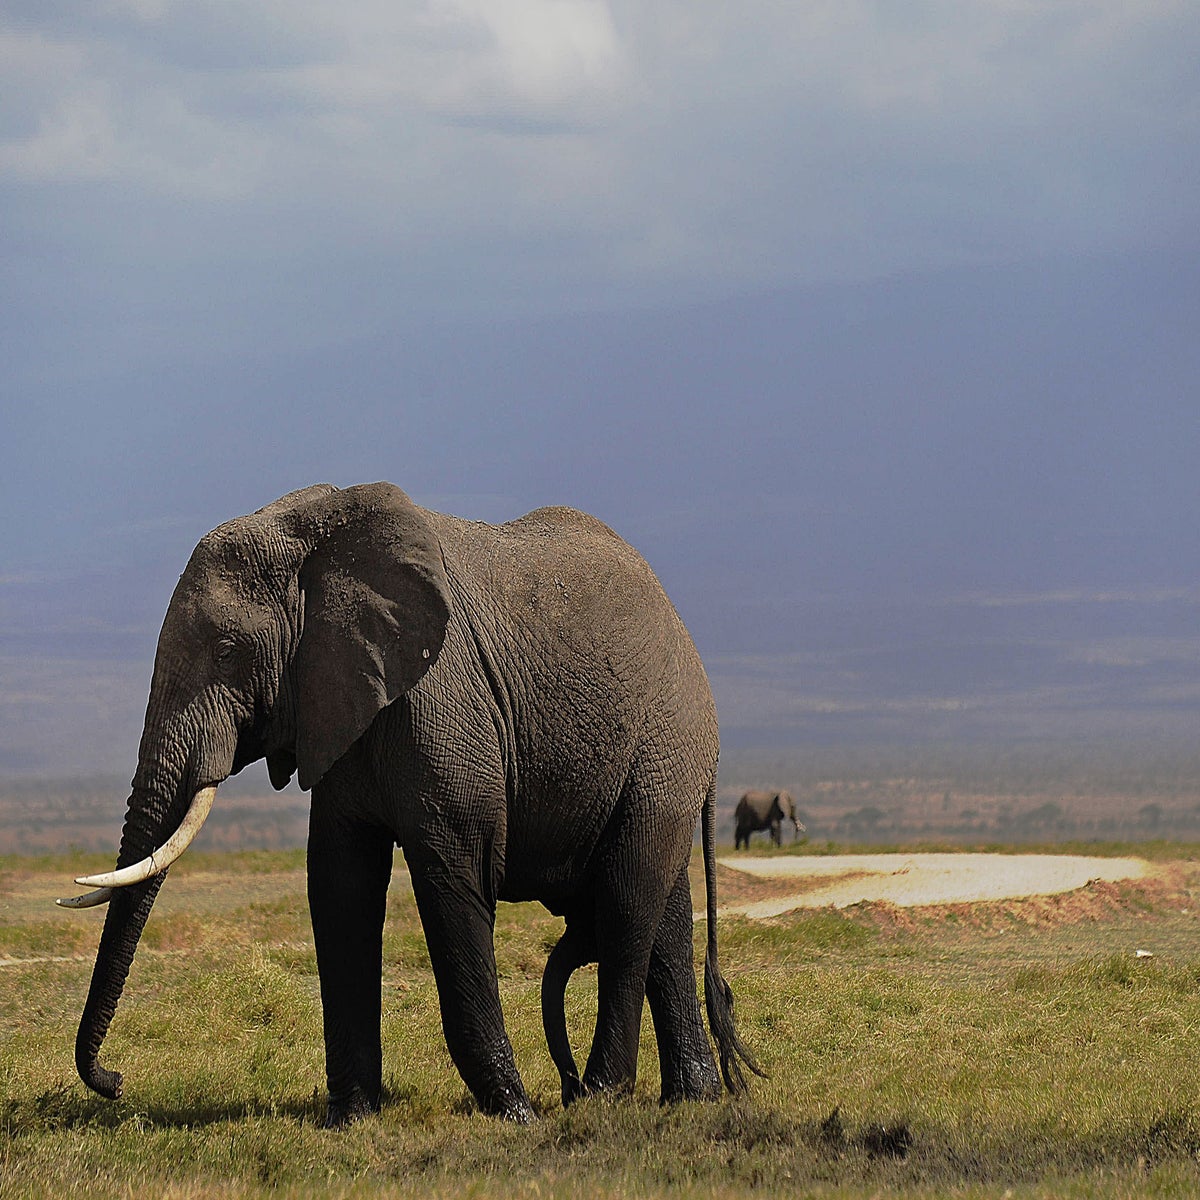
{"x":87,"y":900}
{"x":165,"y":855}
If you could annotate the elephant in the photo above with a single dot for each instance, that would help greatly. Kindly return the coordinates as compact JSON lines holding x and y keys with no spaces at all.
{"x":764,"y":810}
{"x":518,"y":707}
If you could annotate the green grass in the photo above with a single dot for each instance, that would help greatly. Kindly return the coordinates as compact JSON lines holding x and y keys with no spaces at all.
{"x":945,"y":1060}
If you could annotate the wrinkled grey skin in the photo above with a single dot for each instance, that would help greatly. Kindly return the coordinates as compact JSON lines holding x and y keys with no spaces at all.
{"x":763,"y":810}
{"x":518,"y":707}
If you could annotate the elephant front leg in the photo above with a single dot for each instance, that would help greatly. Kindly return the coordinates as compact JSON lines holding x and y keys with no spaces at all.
{"x":349,"y":867}
{"x":459,"y":928}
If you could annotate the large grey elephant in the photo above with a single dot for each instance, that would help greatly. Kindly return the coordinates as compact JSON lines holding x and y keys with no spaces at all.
{"x":519,"y":707}
{"x":764,"y":810}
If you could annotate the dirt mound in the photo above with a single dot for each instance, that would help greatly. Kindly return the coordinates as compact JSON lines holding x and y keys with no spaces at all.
{"x":740,"y":887}
{"x":1165,"y":890}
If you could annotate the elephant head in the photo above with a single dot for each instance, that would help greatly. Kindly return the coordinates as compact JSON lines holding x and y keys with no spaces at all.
{"x":785,"y":809}
{"x":287,"y":633}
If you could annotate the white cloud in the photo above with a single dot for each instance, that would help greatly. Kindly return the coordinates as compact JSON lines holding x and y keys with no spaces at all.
{"x":540,"y":56}
{"x":681,"y":142}
{"x":1136,"y":652}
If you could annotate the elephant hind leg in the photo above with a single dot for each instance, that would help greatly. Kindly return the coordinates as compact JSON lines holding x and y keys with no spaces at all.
{"x":574,"y":949}
{"x":635,"y":876}
{"x":621,"y":992}
{"x":689,"y":1070}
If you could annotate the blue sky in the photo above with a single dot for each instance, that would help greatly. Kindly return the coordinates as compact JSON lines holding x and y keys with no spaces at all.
{"x":872,"y":324}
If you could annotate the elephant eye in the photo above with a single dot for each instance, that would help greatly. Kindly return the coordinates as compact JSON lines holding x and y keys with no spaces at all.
{"x":225,"y":650}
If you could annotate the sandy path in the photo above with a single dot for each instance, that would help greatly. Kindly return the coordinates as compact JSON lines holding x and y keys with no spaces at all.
{"x":915,"y":879}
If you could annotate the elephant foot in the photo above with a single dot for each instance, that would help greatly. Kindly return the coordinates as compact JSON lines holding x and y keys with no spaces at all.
{"x":521,"y":1114}
{"x":614,"y":1088}
{"x":516,"y":1109}
{"x":351,"y":1107}
{"x":509,"y":1103}
{"x":696,"y":1080}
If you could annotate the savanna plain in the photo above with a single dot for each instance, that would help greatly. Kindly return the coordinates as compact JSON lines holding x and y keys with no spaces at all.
{"x":1018,"y":1048}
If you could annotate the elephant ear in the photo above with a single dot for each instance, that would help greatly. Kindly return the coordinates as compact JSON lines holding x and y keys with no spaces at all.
{"x":376,"y":605}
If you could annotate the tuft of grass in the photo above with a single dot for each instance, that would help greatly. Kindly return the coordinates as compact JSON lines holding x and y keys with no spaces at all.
{"x":795,"y":937}
{"x":36,"y":938}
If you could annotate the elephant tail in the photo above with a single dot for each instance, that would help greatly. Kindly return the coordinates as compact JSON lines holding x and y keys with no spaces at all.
{"x":718,"y":995}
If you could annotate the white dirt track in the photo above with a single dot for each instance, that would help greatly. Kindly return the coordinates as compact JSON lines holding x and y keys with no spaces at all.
{"x":911,"y":880}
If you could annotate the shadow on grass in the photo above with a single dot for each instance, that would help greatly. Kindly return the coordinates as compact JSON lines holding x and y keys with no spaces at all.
{"x":739,"y":1142}
{"x":64,"y":1107}
{"x":732,"y":1143}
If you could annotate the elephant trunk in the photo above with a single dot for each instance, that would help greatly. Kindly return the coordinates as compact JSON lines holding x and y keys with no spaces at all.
{"x":128,"y":909}
{"x":123,"y":925}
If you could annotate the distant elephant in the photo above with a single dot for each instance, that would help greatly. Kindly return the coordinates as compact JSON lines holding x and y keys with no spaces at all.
{"x":764,"y":810}
{"x":517,"y":706}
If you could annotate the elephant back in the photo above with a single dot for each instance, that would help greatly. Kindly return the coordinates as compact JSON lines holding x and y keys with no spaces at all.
{"x":580,"y":617}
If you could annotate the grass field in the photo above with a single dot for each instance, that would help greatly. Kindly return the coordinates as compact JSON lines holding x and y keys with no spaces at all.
{"x":1004,"y":1050}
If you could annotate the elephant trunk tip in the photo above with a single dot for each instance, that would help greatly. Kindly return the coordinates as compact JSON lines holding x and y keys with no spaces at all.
{"x":104,"y":1082}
